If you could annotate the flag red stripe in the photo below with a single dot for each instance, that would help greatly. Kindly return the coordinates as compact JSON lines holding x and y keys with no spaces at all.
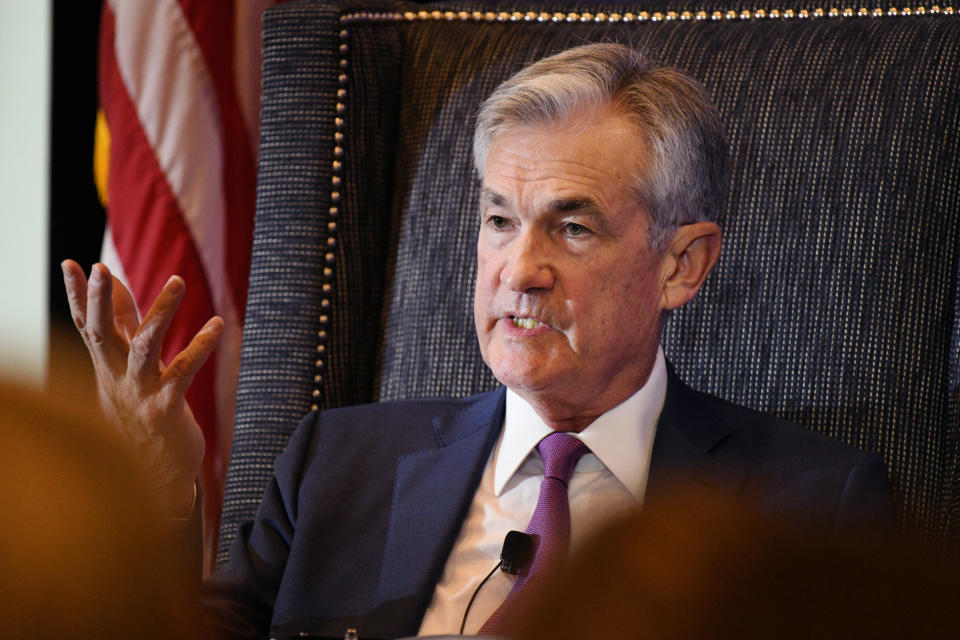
{"x":149,"y":231}
{"x":212,"y":26}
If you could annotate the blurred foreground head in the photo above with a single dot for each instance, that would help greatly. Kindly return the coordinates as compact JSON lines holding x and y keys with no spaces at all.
{"x":82,"y":552}
{"x":693,"y":566}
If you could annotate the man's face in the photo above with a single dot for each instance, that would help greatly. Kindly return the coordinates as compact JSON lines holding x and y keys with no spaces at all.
{"x":568,"y":295}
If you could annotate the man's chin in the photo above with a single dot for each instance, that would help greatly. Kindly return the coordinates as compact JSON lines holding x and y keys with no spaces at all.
{"x":520,"y":365}
{"x":522,"y":379}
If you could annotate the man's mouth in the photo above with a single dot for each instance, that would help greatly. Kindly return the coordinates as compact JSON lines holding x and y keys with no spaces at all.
{"x":525,"y":323}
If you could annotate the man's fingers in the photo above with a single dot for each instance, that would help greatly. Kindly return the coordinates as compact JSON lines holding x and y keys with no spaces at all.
{"x":125,"y":315}
{"x":144,"y":359}
{"x":101,"y":334}
{"x":75,"y":282}
{"x":179,"y":373}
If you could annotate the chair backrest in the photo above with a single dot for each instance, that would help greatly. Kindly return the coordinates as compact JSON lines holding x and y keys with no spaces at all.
{"x":835,"y":303}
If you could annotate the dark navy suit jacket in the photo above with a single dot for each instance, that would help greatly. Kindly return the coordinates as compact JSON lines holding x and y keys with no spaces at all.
{"x":355,"y":528}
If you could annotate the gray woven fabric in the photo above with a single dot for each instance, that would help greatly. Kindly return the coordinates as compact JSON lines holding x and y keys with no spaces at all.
{"x":835,"y":302}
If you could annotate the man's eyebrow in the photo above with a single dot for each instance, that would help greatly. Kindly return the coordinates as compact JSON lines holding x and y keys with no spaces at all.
{"x":585,"y":206}
{"x":491,"y":197}
{"x":582,"y":206}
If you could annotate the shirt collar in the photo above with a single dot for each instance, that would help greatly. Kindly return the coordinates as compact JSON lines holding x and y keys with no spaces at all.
{"x":621,"y":438}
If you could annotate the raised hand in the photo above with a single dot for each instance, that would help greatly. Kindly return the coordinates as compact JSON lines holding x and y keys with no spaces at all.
{"x":138,"y":393}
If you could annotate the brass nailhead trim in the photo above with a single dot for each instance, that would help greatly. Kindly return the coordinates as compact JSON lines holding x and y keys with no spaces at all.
{"x":642,"y":16}
{"x":336,"y":180}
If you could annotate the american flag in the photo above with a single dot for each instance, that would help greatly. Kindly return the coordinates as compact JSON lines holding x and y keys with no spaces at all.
{"x":175,"y":163}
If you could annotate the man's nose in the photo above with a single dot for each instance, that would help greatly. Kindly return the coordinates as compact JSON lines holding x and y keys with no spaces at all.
{"x":528,"y":266}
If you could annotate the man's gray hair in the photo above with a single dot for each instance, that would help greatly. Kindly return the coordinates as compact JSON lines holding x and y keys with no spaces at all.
{"x":683,"y":182}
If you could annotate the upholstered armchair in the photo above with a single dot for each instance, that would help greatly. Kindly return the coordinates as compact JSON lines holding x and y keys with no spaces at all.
{"x":835,"y":303}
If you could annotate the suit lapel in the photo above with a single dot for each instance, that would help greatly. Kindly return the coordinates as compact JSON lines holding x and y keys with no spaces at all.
{"x":432,"y":493}
{"x":694,"y":443}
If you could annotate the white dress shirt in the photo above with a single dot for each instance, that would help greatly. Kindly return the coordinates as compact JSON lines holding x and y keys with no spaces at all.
{"x":607,"y":481}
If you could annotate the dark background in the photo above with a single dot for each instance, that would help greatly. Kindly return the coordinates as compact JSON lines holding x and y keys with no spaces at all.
{"x":76,"y":217}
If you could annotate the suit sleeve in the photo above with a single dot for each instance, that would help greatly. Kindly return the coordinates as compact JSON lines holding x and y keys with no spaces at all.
{"x":237,"y":601}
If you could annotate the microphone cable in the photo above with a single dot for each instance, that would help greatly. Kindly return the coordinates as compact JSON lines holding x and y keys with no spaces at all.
{"x":463,"y":622}
{"x":515,"y":555}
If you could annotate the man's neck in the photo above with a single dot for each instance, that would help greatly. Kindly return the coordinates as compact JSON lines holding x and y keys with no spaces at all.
{"x":560,"y":414}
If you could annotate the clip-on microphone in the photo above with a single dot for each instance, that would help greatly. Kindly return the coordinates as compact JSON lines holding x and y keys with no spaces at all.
{"x":516,"y":554}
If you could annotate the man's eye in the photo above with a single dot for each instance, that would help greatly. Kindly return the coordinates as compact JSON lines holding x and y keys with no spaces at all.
{"x":577,"y":230}
{"x":498,"y":222}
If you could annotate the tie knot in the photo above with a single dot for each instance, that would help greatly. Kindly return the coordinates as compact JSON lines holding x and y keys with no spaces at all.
{"x":560,"y":452}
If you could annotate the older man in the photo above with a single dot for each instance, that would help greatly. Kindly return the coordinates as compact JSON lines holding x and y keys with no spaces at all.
{"x":601,"y":175}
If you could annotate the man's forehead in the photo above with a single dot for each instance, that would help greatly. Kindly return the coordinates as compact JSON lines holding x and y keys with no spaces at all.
{"x":578,"y":140}
{"x":562,"y":169}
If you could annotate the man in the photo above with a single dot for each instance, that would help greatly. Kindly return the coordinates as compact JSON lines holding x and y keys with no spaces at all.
{"x":601,"y":175}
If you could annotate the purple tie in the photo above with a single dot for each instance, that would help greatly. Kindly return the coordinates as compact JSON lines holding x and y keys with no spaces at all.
{"x":550,"y":523}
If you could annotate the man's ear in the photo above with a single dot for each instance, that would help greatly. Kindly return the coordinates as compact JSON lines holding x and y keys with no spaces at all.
{"x":687,"y":261}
